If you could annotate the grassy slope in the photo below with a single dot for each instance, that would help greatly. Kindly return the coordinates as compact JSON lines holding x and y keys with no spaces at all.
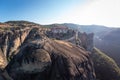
{"x":105,"y":67}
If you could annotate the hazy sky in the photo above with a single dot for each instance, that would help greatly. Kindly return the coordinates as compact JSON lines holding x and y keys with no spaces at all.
{"x":85,"y":12}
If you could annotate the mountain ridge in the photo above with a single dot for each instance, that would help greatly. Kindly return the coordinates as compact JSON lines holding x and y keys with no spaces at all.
{"x":30,"y":54}
{"x":25,"y":43}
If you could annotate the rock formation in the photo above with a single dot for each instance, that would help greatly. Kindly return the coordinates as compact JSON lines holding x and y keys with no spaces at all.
{"x":83,"y":39}
{"x":105,"y":67}
{"x":30,"y":55}
{"x":86,"y":40}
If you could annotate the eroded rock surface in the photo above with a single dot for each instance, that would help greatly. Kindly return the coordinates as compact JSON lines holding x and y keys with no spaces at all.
{"x":33,"y":56}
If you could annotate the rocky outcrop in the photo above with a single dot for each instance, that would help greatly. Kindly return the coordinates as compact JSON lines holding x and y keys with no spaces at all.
{"x":3,"y":61}
{"x":51,"y":62}
{"x":105,"y":67}
{"x":30,"y":55}
{"x":82,"y":39}
{"x":4,"y":75}
{"x":86,"y":40}
{"x":11,"y":40}
{"x":109,"y":43}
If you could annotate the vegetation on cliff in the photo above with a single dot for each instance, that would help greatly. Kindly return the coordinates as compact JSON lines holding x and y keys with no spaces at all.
{"x":105,"y":67}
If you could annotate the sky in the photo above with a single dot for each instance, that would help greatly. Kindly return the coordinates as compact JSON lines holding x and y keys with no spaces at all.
{"x":83,"y":12}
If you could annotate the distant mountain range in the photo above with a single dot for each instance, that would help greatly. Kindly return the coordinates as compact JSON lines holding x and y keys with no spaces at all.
{"x":110,"y":44}
{"x":31,"y":51}
{"x":107,"y":39}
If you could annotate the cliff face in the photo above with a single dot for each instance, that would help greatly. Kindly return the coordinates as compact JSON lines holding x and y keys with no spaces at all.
{"x":110,"y":44}
{"x":27,"y":54}
{"x":105,"y":67}
{"x":86,"y":40}
{"x":82,"y":39}
{"x":11,"y":40}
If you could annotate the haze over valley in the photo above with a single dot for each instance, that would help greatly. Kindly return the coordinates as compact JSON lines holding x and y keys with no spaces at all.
{"x":59,"y":40}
